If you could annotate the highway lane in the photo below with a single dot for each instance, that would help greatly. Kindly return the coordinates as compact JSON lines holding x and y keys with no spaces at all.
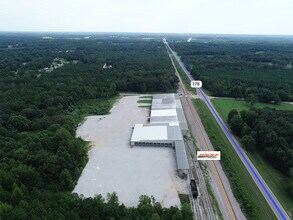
{"x":218,"y":180}
{"x":266,"y":191}
{"x":205,"y":209}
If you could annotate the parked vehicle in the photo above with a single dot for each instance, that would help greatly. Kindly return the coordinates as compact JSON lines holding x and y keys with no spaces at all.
{"x":193,"y":188}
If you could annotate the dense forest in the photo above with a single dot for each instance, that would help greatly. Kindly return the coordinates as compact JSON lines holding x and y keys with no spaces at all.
{"x":253,"y":68}
{"x":42,"y":79}
{"x":269,"y":132}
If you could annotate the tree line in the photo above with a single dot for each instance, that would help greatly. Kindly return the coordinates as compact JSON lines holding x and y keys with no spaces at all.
{"x":269,"y":132}
{"x":40,"y":157}
{"x":256,"y":69}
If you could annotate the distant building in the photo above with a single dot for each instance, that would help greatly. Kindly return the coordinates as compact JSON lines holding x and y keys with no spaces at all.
{"x":166,"y":128}
{"x":107,"y":66}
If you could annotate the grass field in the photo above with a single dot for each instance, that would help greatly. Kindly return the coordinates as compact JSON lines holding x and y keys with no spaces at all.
{"x":144,"y":106}
{"x":144,"y":101}
{"x":224,"y":106}
{"x":146,"y":97}
{"x":244,"y":189}
{"x":274,"y":178}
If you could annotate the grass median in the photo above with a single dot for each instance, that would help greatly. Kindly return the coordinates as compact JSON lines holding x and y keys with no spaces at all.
{"x":183,"y":76}
{"x":244,"y":188}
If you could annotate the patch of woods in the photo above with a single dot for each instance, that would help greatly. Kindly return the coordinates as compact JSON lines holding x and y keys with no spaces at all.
{"x":254,"y":69}
{"x":40,"y":157}
{"x":48,"y":205}
{"x":270,"y":132}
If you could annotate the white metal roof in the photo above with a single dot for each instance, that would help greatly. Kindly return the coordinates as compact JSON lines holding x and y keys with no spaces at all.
{"x":174,"y":123}
{"x":141,"y":132}
{"x":163,"y":112}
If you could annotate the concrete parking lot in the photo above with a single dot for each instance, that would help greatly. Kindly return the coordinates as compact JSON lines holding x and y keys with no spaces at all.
{"x":114,"y":166}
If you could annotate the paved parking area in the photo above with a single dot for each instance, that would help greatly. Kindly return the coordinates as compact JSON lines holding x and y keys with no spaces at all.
{"x":114,"y":166}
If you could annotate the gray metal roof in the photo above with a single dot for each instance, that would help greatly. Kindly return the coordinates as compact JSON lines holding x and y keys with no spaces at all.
{"x":163,"y":101}
{"x":181,"y":158}
{"x":182,"y":119}
{"x":168,"y":101}
{"x":174,"y":133}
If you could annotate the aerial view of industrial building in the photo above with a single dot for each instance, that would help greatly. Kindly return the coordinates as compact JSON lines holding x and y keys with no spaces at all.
{"x":166,"y":127}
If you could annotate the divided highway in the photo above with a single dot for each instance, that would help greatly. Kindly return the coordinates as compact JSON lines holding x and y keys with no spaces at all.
{"x":218,"y":180}
{"x":267,"y":193}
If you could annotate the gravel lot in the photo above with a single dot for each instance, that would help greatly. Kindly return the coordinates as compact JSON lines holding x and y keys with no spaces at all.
{"x":114,"y":166}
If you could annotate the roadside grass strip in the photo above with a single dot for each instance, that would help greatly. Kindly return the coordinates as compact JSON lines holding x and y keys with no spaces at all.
{"x":274,"y":178}
{"x":245,"y":159}
{"x":244,"y":189}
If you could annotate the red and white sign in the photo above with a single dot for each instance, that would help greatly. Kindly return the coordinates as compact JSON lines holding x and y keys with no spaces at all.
{"x":208,"y":155}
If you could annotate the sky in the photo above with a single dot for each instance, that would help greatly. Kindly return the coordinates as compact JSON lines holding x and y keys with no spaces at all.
{"x":161,"y":16}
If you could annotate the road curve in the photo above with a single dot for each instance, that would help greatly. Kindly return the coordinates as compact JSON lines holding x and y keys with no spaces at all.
{"x":266,"y":191}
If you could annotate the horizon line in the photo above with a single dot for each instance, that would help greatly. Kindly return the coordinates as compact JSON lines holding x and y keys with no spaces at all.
{"x":139,"y":32}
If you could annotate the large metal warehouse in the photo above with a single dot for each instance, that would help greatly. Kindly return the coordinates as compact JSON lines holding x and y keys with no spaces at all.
{"x":166,"y":128}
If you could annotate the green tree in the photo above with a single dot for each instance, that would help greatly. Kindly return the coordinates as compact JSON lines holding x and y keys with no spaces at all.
{"x":236,"y":124}
{"x":19,"y":122}
{"x":246,"y":130}
{"x":290,"y":181}
{"x":177,"y":216}
{"x":251,"y":99}
{"x":66,"y":179}
{"x":248,"y":142}
{"x":17,"y":195}
{"x":155,"y":216}
{"x":5,"y":210}
{"x":232,"y":114}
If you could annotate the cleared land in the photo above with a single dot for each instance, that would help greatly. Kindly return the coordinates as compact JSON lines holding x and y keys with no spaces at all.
{"x":89,"y":107}
{"x":224,"y":106}
{"x":114,"y":166}
{"x":274,"y":178}
{"x":244,"y":188}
